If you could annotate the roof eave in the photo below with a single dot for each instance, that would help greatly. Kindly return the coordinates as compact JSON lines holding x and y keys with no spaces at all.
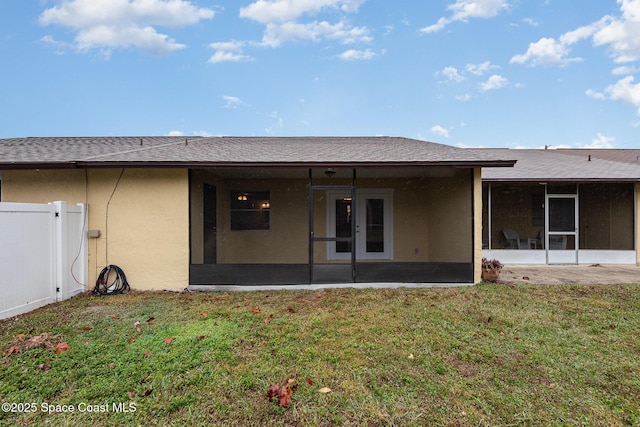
{"x":190,"y":164}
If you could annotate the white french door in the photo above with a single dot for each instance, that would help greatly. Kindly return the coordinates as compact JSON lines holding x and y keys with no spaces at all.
{"x":373,"y":224}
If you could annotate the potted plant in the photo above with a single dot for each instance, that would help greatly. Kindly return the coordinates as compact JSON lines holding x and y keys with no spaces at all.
{"x":491,"y":269}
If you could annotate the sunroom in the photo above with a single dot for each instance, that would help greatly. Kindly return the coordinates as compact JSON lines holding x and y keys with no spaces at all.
{"x":557,"y":208}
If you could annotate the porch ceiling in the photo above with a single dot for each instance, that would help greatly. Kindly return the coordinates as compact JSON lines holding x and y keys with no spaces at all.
{"x":341,"y":173}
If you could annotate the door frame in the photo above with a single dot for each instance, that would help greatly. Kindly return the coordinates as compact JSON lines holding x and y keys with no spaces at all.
{"x":548,"y":252}
{"x":360,"y":215}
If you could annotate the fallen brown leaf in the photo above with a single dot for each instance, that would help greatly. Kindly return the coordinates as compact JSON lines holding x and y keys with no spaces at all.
{"x":87,"y":328}
{"x":114,"y":316}
{"x":11,"y":350}
{"x":274,"y":389}
{"x":131,"y":394}
{"x":284,"y":396}
{"x":20,"y":337}
{"x":151,"y":319}
{"x":146,"y":393}
{"x":282,"y":393}
{"x":268,"y":318}
{"x":44,"y":367}
{"x":255,"y":310}
{"x":61,"y":347}
{"x":324,"y":390}
{"x":146,"y":353}
{"x":200,"y":337}
{"x":168,"y":340}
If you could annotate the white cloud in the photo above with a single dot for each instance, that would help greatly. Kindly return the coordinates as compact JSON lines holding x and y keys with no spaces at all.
{"x":452,"y":74}
{"x":110,"y":24}
{"x":440,"y":131}
{"x":354,"y":55}
{"x":232,"y":101}
{"x":463,"y":10}
{"x":230,"y":51}
{"x":465,"y":145}
{"x":270,"y":11}
{"x":600,"y":141}
{"x":277,"y":34}
{"x":496,"y":81}
{"x":480,"y":69}
{"x":581,"y":33}
{"x":625,"y":90}
{"x":203,"y":133}
{"x":147,"y":39}
{"x":226,"y":56}
{"x":595,"y":95}
{"x":195,"y":133}
{"x":624,"y":70}
{"x":433,"y":28}
{"x":546,"y":51}
{"x":282,"y":21}
{"x":463,"y":98}
{"x":622,"y":34}
{"x":58,"y":46}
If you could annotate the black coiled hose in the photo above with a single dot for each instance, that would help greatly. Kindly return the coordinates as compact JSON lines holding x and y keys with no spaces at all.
{"x":118,"y":285}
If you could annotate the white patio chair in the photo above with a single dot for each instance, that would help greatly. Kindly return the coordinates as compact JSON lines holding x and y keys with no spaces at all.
{"x":513,"y":239}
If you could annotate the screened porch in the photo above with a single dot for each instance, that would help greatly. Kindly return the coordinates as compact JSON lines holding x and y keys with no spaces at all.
{"x":559,"y":223}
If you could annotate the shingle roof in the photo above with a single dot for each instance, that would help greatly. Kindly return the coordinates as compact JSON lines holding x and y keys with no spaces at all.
{"x":234,"y":151}
{"x":565,"y":165}
{"x":616,"y":155}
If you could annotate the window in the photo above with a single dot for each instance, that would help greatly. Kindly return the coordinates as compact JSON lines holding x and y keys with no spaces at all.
{"x":250,"y":210}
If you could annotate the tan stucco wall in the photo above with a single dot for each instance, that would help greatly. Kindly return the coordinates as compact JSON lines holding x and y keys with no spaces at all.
{"x":477,"y":218}
{"x":148,"y":222}
{"x":451,"y":219}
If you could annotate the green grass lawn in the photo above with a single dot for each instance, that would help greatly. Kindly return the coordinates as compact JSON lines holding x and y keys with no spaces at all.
{"x":483,"y":355}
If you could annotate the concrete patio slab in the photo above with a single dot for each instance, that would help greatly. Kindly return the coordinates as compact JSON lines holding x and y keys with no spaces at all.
{"x":570,"y":274}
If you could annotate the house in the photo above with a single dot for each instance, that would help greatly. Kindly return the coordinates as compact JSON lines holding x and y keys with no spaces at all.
{"x":225,"y":212}
{"x":565,"y":206}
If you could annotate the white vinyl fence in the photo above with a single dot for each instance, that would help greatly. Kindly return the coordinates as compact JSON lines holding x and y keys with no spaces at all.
{"x":43,"y":255}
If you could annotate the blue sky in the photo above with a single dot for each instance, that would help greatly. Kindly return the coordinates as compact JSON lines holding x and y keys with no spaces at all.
{"x":469,"y":73}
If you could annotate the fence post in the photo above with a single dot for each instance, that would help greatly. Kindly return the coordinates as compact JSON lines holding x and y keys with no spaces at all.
{"x":59,"y":244}
{"x":70,"y":249}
